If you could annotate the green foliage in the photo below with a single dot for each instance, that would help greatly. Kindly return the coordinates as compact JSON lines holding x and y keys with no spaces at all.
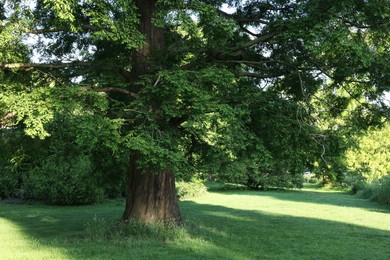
{"x":278,"y":149}
{"x":310,"y":178}
{"x":33,"y":109}
{"x":8,"y":183}
{"x":383,"y":194}
{"x":367,"y":190}
{"x":73,"y":169}
{"x":8,"y":177}
{"x":370,"y":157}
{"x":63,"y":9}
{"x":64,"y":180}
{"x":378,"y":190}
{"x":79,"y":163}
{"x":101,"y":14}
{"x":18,"y":155}
{"x":255,"y":97}
{"x":191,"y":189}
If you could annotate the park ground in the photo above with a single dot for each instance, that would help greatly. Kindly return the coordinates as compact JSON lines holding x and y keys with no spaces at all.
{"x":311,"y":223}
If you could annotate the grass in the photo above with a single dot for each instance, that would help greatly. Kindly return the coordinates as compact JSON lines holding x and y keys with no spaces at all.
{"x":306,"y":224}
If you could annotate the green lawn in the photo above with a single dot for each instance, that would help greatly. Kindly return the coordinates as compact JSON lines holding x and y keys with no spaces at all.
{"x":306,"y":224}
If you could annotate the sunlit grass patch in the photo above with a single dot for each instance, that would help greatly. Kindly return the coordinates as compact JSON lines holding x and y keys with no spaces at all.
{"x":16,"y":244}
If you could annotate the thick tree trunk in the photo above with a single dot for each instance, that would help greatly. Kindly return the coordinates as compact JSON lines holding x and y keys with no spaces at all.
{"x":154,"y":39}
{"x":151,"y":197}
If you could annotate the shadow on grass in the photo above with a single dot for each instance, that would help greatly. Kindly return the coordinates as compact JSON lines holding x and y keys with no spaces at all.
{"x":213,"y":232}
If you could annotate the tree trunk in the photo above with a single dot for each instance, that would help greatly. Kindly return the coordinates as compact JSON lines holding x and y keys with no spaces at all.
{"x":151,"y":197}
{"x":154,"y":39}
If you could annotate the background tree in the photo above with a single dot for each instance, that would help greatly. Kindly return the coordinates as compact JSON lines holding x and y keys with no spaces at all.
{"x":370,"y":156}
{"x":189,"y":88}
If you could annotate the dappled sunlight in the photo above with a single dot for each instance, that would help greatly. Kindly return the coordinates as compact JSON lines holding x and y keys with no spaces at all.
{"x":16,"y":244}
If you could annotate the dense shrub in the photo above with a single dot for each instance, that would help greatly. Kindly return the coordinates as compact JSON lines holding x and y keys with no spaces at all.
{"x":375,"y":190}
{"x":354,"y":181}
{"x":8,"y":183}
{"x":8,"y":178}
{"x":383,"y":194}
{"x":189,"y":189}
{"x":367,"y":190}
{"x":64,"y":181}
{"x":110,"y":172}
{"x":310,"y":178}
{"x":16,"y":157}
{"x":274,"y":180}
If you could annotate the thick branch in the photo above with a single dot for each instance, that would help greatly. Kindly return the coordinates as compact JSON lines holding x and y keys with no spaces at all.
{"x":353,"y":24}
{"x":247,"y":62}
{"x":255,"y":41}
{"x":256,"y":75}
{"x":248,"y":31}
{"x":44,"y":65}
{"x":259,"y":39}
{"x":260,"y":64}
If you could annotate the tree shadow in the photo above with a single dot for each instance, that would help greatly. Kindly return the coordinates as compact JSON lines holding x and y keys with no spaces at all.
{"x":214,"y":232}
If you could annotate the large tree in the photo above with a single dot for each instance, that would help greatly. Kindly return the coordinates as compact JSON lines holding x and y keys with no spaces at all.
{"x":193,"y":86}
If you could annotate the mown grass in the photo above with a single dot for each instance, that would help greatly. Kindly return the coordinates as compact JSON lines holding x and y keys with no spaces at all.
{"x":306,"y":224}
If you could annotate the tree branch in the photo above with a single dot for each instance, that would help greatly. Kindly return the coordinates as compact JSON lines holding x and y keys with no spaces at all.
{"x":259,"y":39}
{"x":247,"y":62}
{"x":247,"y":30}
{"x":26,"y":66}
{"x":256,"y":75}
{"x":255,"y":41}
{"x":351,"y":23}
{"x":85,"y":27}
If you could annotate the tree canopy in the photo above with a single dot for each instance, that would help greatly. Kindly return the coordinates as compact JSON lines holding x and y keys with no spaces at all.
{"x":247,"y":91}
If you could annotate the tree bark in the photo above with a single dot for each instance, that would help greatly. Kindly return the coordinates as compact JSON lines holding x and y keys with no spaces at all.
{"x":151,"y":197}
{"x":154,"y":39}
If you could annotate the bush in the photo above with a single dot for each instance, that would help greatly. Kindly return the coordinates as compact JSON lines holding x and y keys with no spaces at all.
{"x":189,"y":189}
{"x":354,"y":181}
{"x":375,"y":190}
{"x":368,"y":190}
{"x":64,"y":181}
{"x":8,"y":183}
{"x":310,"y":178}
{"x":12,"y":161}
{"x":383,"y":194}
{"x":274,"y":180}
